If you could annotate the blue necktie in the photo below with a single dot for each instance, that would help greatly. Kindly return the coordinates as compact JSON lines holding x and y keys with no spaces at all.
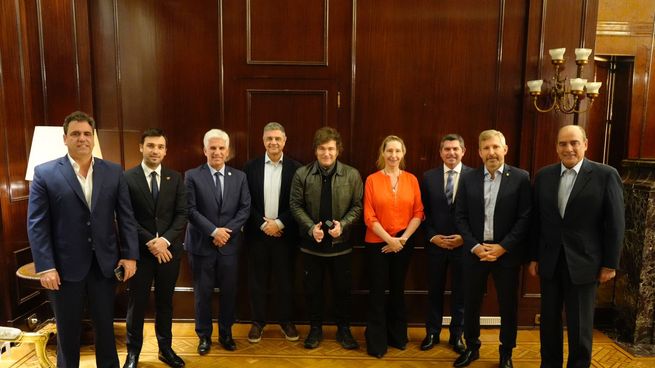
{"x":450,"y":187}
{"x":153,"y":186}
{"x":219,"y":192}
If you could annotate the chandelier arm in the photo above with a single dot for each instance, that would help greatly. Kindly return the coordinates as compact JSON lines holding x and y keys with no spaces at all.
{"x":536,"y":106}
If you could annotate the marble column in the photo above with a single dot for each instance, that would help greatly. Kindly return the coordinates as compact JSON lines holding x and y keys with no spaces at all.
{"x":635,"y":284}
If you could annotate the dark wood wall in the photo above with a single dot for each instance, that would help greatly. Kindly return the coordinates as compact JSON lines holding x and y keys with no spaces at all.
{"x":416,"y":68}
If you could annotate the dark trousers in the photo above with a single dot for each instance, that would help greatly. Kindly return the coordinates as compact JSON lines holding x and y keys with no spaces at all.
{"x":578,"y":302}
{"x":439,"y":261}
{"x":215,"y":270}
{"x":164,"y":276}
{"x":506,"y":281}
{"x":68,"y":306}
{"x":270,"y":257}
{"x":386,"y":321}
{"x":315,"y":269}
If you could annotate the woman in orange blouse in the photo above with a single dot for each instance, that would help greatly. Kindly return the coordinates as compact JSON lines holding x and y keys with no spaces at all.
{"x":392,"y":212}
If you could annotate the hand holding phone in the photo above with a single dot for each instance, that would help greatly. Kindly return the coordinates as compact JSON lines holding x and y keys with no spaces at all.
{"x":119,"y":272}
{"x":329,"y":224}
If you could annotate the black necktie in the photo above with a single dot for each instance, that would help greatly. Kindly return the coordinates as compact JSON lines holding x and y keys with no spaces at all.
{"x":153,"y":186}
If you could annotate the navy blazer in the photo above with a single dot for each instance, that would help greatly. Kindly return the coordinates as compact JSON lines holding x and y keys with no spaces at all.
{"x":168,"y":217}
{"x":63,"y":231}
{"x":254,"y":170}
{"x":591,"y":232}
{"x":205,"y":215}
{"x":511,"y":215}
{"x":439,"y":215}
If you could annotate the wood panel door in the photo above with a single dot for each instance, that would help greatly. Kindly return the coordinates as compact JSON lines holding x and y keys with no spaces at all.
{"x":291,"y":65}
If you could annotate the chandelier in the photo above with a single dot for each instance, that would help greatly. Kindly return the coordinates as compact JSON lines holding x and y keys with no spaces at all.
{"x":562,"y":96}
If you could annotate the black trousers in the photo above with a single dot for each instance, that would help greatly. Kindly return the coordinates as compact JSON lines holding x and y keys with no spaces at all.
{"x":215,"y":270}
{"x":506,"y":281}
{"x":439,"y":262}
{"x":339,"y":268}
{"x":270,"y":258}
{"x":578,"y":302}
{"x":68,"y":306}
{"x":386,"y":321}
{"x":164,"y":276}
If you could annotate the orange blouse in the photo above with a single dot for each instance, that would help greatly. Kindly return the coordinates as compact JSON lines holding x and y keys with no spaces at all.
{"x":392,"y":210}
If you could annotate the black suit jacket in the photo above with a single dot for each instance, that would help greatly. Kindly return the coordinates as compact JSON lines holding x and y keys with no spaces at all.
{"x":439,"y":215}
{"x":254,"y":170}
{"x":591,"y":232}
{"x":168,"y":217}
{"x":511,"y":214}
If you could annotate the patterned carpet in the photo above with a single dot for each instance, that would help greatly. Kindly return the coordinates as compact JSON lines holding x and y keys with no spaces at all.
{"x":274,"y":351}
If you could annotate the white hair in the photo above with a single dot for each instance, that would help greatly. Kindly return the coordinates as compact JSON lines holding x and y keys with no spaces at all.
{"x":216,"y":133}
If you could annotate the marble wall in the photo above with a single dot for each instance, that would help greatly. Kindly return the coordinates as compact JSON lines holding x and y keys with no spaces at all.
{"x":635,"y":285}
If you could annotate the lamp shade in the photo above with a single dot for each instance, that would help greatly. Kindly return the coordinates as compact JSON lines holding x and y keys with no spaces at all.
{"x":48,"y":144}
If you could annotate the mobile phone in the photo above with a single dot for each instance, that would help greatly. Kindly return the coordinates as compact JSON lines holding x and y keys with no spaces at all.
{"x":119,"y":272}
{"x":329,"y":224}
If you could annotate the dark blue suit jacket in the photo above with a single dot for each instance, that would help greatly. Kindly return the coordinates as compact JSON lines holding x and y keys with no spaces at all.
{"x":511,"y":214}
{"x":205,"y":214}
{"x":63,"y":231}
{"x":591,"y":233}
{"x":439,"y":216}
{"x":254,"y":170}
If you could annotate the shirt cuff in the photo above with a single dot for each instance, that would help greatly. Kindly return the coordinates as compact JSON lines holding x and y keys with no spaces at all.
{"x":213,"y":234}
{"x":42,"y":272}
{"x":279,"y":223}
{"x":475,"y":247}
{"x":166,"y":240}
{"x":432,"y":238}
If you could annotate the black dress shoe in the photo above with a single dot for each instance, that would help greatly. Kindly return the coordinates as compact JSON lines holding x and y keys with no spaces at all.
{"x":314,"y":338}
{"x":132,"y":360}
{"x":169,"y":357}
{"x":204,"y":345}
{"x":466,"y":358}
{"x":429,"y":341}
{"x":458,"y":344}
{"x":227,"y":342}
{"x":397,"y":345}
{"x":376,"y":355}
{"x":346,"y":339}
{"x":506,"y":362}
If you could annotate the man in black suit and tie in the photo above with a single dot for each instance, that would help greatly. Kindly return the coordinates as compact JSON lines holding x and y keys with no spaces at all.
{"x":272,"y":233}
{"x":579,"y":225}
{"x":439,"y":189}
{"x":219,"y":205}
{"x":493,"y":215}
{"x":159,"y":200}
{"x":76,"y":204}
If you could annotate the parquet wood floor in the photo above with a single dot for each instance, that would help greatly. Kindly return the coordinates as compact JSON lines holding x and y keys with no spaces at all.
{"x":274,"y":351}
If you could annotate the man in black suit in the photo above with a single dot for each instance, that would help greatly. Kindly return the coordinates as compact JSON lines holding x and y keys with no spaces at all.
{"x":219,"y":205}
{"x":77,"y":203}
{"x":579,"y":224}
{"x":272,"y":233}
{"x":439,"y":189}
{"x":158,"y":197}
{"x":493,"y":215}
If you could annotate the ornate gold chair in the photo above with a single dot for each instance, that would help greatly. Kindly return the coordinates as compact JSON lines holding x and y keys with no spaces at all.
{"x":39,"y":339}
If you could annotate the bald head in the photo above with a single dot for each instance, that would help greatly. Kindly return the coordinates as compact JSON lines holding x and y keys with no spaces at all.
{"x":571,"y":145}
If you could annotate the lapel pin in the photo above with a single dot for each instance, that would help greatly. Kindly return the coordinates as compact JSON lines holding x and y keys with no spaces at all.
{"x":168,"y":178}
{"x":229,"y":173}
{"x":507,"y":174}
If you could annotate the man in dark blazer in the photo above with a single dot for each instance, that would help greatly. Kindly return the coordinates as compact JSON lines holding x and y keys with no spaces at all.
{"x":219,"y":204}
{"x":74,"y":201}
{"x":578,"y":233}
{"x":158,"y":197}
{"x":444,"y":243}
{"x":493,"y":215}
{"x":271,"y":233}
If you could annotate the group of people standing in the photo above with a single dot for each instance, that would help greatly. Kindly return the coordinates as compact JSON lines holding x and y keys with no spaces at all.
{"x":477,"y":222}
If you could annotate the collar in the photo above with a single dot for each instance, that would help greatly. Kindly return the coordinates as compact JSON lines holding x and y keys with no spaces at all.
{"x":576,"y":168}
{"x":499,"y":170}
{"x":457,"y":169}
{"x":76,"y":166}
{"x":267,"y":160}
{"x":147,"y":170}
{"x":214,"y":171}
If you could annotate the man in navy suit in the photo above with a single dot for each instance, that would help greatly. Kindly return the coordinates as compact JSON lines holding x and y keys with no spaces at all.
{"x":272,"y":233}
{"x":70,"y":224}
{"x":219,"y":205}
{"x":580,"y":220}
{"x":158,"y":197}
{"x":493,"y":215}
{"x":439,"y":191}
